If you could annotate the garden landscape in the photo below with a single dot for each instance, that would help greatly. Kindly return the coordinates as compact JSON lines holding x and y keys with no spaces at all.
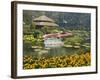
{"x":56,"y":39}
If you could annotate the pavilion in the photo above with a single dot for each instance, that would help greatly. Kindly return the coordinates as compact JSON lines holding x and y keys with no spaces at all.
{"x":43,"y":20}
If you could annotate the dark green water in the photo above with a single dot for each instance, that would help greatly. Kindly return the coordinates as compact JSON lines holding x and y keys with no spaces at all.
{"x":66,"y":51}
{"x":56,"y":51}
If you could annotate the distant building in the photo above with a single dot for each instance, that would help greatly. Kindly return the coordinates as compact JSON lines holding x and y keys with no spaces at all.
{"x":44,"y":21}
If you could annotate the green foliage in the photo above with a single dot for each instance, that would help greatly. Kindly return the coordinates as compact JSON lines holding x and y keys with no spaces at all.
{"x":75,"y":21}
{"x":28,"y":38}
{"x":79,"y":36}
{"x":32,"y":27}
{"x":72,"y":40}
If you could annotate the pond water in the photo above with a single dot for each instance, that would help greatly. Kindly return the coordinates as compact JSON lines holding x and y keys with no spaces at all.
{"x":55,"y":47}
{"x":57,"y":51}
{"x":66,"y":51}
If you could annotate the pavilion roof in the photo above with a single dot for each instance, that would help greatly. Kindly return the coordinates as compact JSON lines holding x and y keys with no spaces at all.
{"x":45,"y":24}
{"x":44,"y":21}
{"x":43,"y":18}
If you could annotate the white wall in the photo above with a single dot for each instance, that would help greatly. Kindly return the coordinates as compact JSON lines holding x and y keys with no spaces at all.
{"x":5,"y":41}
